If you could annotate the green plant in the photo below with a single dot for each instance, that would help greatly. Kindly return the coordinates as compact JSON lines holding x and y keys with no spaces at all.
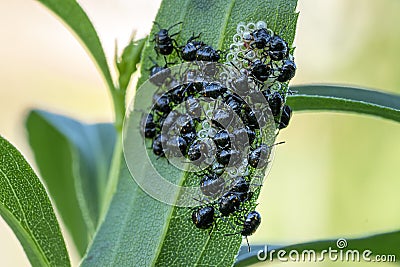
{"x":104,"y":194}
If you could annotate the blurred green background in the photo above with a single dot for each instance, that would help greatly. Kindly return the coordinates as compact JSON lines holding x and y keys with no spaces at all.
{"x":336,"y":176}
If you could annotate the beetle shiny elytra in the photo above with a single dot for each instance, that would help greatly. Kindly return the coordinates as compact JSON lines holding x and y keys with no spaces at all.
{"x":159,"y":74}
{"x":261,"y":38}
{"x":188,"y":51}
{"x":258,"y":157}
{"x":203,"y":218}
{"x":213,"y":90}
{"x":275,"y":102}
{"x":212,"y":185}
{"x":176,"y":146}
{"x":164,"y":43}
{"x":149,"y":126}
{"x":229,"y":203}
{"x":250,"y":225}
{"x":222,"y":139}
{"x":198,"y":152}
{"x":260,"y":70}
{"x":287,"y":71}
{"x":285,"y":117}
{"x":278,"y":48}
{"x":158,"y":145}
{"x":229,"y":157}
{"x":240,"y":186}
{"x":207,"y":53}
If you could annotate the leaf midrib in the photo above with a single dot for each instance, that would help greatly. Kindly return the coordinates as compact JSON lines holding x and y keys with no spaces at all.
{"x":165,"y":229}
{"x":168,"y":221}
{"x":8,"y":216}
{"x":344,"y":92}
{"x":347,"y":100}
{"x":15,"y":195}
{"x":223,"y":29}
{"x":24,"y":231}
{"x":185,"y":176}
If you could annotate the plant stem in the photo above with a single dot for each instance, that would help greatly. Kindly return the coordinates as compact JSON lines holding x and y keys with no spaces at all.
{"x":118,"y":96}
{"x":113,"y":175}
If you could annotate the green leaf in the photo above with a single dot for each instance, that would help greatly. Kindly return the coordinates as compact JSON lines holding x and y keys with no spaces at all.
{"x":71,"y":13}
{"x":217,"y":21}
{"x":379,"y":244}
{"x":26,"y":208}
{"x":127,"y":63}
{"x":74,"y":162}
{"x":150,"y":232}
{"x":343,"y":98}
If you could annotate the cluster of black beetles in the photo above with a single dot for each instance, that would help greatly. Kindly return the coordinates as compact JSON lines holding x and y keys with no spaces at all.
{"x":233,"y":136}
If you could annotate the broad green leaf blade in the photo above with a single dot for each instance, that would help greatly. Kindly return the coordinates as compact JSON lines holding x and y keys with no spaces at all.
{"x":26,"y":208}
{"x":217,"y":21}
{"x":74,"y":161}
{"x":123,"y":230}
{"x":343,"y":98}
{"x":72,"y":14}
{"x":379,"y":244}
{"x":153,"y":233}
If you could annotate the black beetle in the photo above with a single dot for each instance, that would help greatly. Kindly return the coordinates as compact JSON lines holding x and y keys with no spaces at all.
{"x":261,"y":38}
{"x":207,"y":53}
{"x":212,"y":185}
{"x":287,"y":72}
{"x":203,"y":218}
{"x":164,"y":43}
{"x":285,"y":117}
{"x":278,"y":48}
{"x":188,"y":52}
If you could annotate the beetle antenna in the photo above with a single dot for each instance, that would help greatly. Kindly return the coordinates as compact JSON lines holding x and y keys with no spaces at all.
{"x":174,"y":25}
{"x":237,"y":233}
{"x":158,"y":24}
{"x":279,"y":143}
